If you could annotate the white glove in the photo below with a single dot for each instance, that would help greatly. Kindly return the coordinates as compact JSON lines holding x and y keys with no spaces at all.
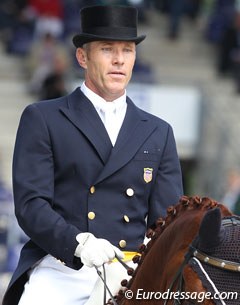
{"x":95,"y":251}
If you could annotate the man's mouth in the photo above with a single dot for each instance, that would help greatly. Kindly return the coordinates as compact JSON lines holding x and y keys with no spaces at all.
{"x":117,"y":74}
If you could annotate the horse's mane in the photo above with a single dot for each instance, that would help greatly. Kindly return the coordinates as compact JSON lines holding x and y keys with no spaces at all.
{"x":173,"y":212}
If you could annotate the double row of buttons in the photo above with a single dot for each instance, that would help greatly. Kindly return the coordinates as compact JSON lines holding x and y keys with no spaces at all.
{"x":129,"y":191}
{"x":92,"y":215}
{"x":122,"y":243}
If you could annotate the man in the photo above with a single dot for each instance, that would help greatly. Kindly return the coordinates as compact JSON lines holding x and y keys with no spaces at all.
{"x":85,"y":188}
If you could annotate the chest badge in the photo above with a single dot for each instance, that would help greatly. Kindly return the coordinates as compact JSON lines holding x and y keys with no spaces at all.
{"x":147,"y":174}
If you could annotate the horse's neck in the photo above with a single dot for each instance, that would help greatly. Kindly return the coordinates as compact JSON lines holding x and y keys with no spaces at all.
{"x":165,"y":252}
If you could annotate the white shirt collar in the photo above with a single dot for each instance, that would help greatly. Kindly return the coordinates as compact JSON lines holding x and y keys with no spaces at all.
{"x":116,"y":111}
{"x":99,"y":103}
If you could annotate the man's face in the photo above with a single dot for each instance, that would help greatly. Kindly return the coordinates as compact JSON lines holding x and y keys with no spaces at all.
{"x":108,"y":66}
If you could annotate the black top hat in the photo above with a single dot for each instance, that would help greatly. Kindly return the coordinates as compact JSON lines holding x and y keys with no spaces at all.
{"x":116,"y":23}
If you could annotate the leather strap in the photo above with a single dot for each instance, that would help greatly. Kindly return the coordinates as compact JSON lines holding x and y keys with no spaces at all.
{"x":216,"y":262}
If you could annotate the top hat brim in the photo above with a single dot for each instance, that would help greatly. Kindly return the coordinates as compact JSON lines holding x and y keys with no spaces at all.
{"x":80,"y":39}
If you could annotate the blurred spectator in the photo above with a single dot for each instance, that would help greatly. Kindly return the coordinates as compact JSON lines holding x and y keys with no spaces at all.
{"x":229,"y":51}
{"x":235,"y":52}
{"x":8,"y":13}
{"x":71,"y":16}
{"x":72,"y":13}
{"x":143,"y":72}
{"x":16,"y":25}
{"x":193,"y":8}
{"x":5,"y":193}
{"x":141,"y":5}
{"x":237,"y":6}
{"x":6,"y":211}
{"x":46,"y":56}
{"x":49,"y":17}
{"x":231,"y":197}
{"x":176,"y":10}
{"x":11,"y":236}
{"x":53,"y":87}
{"x":220,"y":18}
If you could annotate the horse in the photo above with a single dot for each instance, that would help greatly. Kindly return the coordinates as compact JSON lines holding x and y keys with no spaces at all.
{"x":193,"y":254}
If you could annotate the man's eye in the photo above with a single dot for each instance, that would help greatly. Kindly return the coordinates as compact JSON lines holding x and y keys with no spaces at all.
{"x":106,"y":49}
{"x":128,"y":50}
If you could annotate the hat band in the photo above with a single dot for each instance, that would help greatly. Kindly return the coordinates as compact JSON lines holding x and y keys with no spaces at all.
{"x":118,"y":32}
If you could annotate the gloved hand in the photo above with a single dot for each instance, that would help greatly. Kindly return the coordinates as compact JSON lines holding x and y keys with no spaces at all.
{"x":95,"y":251}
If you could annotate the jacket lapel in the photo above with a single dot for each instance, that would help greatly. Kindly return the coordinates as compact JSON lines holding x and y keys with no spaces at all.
{"x":135,"y":130}
{"x":83,"y":115}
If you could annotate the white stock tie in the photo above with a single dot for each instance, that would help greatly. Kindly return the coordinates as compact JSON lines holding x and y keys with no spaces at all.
{"x":109,"y":112}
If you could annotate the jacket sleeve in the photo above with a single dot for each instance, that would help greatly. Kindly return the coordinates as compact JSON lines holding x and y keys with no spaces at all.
{"x":33,"y":187}
{"x":168,"y":186}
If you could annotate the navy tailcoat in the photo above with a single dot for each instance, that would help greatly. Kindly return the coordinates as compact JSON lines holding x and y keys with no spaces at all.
{"x":67,"y":179}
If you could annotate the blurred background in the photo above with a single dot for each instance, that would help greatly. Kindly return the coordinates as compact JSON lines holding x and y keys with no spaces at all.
{"x":187,"y":72}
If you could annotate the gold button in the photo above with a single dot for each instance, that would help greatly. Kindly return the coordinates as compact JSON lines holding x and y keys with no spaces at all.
{"x":126,"y":218}
{"x":91,"y":215}
{"x":92,"y":189}
{"x":130,"y":192}
{"x":122,"y":243}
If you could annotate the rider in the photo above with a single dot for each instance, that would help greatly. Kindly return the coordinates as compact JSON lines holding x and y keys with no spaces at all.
{"x":84,"y":188}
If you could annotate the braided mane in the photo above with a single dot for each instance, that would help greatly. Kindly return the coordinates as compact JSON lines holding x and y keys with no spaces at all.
{"x":185,"y":204}
{"x":173,"y":212}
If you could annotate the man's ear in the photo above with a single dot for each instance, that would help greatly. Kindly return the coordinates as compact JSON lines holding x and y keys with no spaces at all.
{"x":81,"y":57}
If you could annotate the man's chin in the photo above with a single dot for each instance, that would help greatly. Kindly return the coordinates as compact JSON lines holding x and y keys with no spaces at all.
{"x":116,"y":90}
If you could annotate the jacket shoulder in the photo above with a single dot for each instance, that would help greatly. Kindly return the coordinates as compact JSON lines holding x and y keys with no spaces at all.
{"x":153,"y":118}
{"x":52,"y":104}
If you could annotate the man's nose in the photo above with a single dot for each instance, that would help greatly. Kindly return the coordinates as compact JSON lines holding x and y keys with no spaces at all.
{"x":118,"y":57}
